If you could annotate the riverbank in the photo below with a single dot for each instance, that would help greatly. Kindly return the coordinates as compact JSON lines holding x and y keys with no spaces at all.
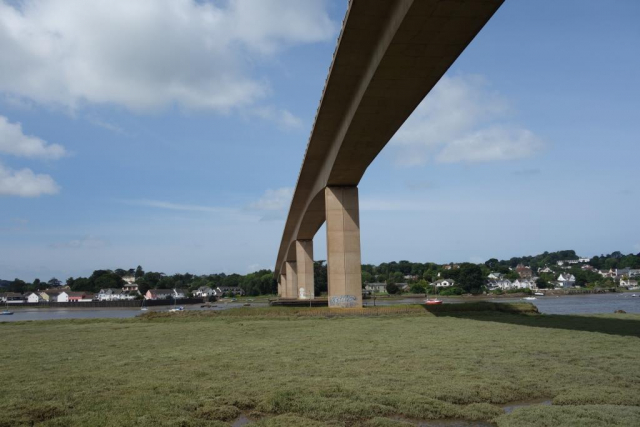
{"x":197,"y":370}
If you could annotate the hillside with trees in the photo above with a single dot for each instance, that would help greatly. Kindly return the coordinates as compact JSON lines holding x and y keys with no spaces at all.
{"x":469,"y":277}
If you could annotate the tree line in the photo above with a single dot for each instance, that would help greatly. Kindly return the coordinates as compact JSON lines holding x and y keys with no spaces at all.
{"x":469,"y":277}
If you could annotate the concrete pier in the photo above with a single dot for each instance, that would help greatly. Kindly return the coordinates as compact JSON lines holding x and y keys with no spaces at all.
{"x":304,"y":265}
{"x":343,"y":247}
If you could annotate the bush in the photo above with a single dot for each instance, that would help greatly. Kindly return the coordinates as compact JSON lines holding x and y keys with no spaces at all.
{"x":393,"y":289}
{"x":451,"y":291}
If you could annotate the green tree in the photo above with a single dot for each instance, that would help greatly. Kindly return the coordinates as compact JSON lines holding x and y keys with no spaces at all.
{"x":392,"y":289}
{"x":139,"y":272}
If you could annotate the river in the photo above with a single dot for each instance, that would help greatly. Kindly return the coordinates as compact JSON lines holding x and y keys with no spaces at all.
{"x":569,"y":304}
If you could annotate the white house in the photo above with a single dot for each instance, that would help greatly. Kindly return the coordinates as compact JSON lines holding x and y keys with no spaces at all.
{"x":180,"y":293}
{"x":524,"y":284}
{"x":203,"y":292}
{"x":495,"y":276}
{"x":376,"y":287}
{"x":34,"y":298}
{"x":566,"y":280}
{"x":545,"y":270}
{"x":109,"y":294}
{"x":500,"y":284}
{"x":629,"y":283}
{"x":63,"y":297}
{"x":443,"y":283}
{"x":127,"y":296}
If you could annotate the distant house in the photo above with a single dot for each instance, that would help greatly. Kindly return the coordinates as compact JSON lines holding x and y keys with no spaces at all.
{"x":450,"y":266}
{"x":524,"y":284}
{"x":588,"y":267}
{"x":443,"y":283}
{"x":545,"y":270}
{"x":524,"y":272}
{"x":154,"y":294}
{"x":410,"y":277}
{"x":109,"y":294}
{"x":203,"y":292}
{"x":404,"y":287}
{"x":13,"y":298}
{"x":88,"y":297}
{"x":75,"y":296}
{"x":495,"y":276}
{"x":566,"y":280}
{"x":376,"y":287}
{"x":128,"y":296}
{"x":49,"y":296}
{"x":63,"y":296}
{"x":504,"y":284}
{"x":234,"y":290}
{"x":180,"y":293}
{"x":629,"y":283}
{"x":34,"y":298}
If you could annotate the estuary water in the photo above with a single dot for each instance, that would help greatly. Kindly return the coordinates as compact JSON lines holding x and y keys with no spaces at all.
{"x":566,"y":304}
{"x":570,"y":304}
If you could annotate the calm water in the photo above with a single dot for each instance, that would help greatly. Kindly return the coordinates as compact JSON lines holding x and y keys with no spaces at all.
{"x":95,"y":313}
{"x":574,"y":304}
{"x":579,"y":304}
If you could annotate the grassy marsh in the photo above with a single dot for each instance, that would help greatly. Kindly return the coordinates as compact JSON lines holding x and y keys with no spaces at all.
{"x":287,"y":369}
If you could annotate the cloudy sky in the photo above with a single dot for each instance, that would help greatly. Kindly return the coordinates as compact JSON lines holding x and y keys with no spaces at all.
{"x":169,"y":133}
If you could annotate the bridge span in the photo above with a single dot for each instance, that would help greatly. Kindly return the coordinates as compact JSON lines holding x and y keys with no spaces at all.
{"x":389,"y":55}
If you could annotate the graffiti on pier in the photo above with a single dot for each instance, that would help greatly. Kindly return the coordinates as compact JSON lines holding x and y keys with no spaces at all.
{"x":343,"y":301}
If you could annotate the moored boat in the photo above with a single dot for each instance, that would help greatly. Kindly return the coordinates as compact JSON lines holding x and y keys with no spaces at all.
{"x":432,"y":301}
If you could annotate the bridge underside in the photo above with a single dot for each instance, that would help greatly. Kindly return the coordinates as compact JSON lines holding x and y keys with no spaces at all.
{"x":390,"y":54}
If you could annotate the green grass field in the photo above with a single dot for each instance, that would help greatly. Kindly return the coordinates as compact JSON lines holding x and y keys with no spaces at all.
{"x":282,"y":368}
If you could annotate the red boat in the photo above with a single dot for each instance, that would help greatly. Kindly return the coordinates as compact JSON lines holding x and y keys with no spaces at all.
{"x":432,"y":301}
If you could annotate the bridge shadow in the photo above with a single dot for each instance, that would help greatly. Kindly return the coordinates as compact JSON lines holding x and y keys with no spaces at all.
{"x":619,"y":324}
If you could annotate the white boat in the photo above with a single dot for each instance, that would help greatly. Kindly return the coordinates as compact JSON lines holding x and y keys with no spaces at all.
{"x":530,"y":298}
{"x":633,"y":296}
{"x":144,"y":307}
{"x":539,"y":294}
{"x":6,"y":311}
{"x":179,"y":308}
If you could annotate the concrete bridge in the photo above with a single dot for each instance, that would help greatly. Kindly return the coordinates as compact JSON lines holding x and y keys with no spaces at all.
{"x":390,"y":54}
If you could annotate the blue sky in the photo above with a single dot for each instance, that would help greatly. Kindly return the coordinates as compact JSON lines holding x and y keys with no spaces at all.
{"x":170,"y":134}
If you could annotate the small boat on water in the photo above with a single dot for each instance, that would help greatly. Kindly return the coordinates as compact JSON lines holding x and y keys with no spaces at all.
{"x":634,"y":296}
{"x":432,"y":301}
{"x":246,"y":304}
{"x":539,"y":294}
{"x":530,"y":298}
{"x":174,"y":309}
{"x":144,"y":307}
{"x":6,"y":311}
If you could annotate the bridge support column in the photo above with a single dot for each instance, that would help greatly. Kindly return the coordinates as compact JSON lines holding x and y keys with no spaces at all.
{"x":282,"y":286}
{"x":292,"y":280}
{"x":304,"y":266}
{"x":343,"y":247}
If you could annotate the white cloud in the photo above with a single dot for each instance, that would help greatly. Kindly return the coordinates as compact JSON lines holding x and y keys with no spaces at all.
{"x":462,"y":121}
{"x":495,"y":143}
{"x":13,"y":141}
{"x":284,"y":118}
{"x":274,"y":200}
{"x":177,"y":206}
{"x":25,"y":183}
{"x":149,"y":54}
{"x":86,"y":242}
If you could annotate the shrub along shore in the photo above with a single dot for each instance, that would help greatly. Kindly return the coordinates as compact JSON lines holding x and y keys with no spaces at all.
{"x":385,"y":366}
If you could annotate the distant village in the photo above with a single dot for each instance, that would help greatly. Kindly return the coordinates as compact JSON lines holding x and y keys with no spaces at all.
{"x":562,"y":270}
{"x":130,"y":291}
{"x":547,"y":277}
